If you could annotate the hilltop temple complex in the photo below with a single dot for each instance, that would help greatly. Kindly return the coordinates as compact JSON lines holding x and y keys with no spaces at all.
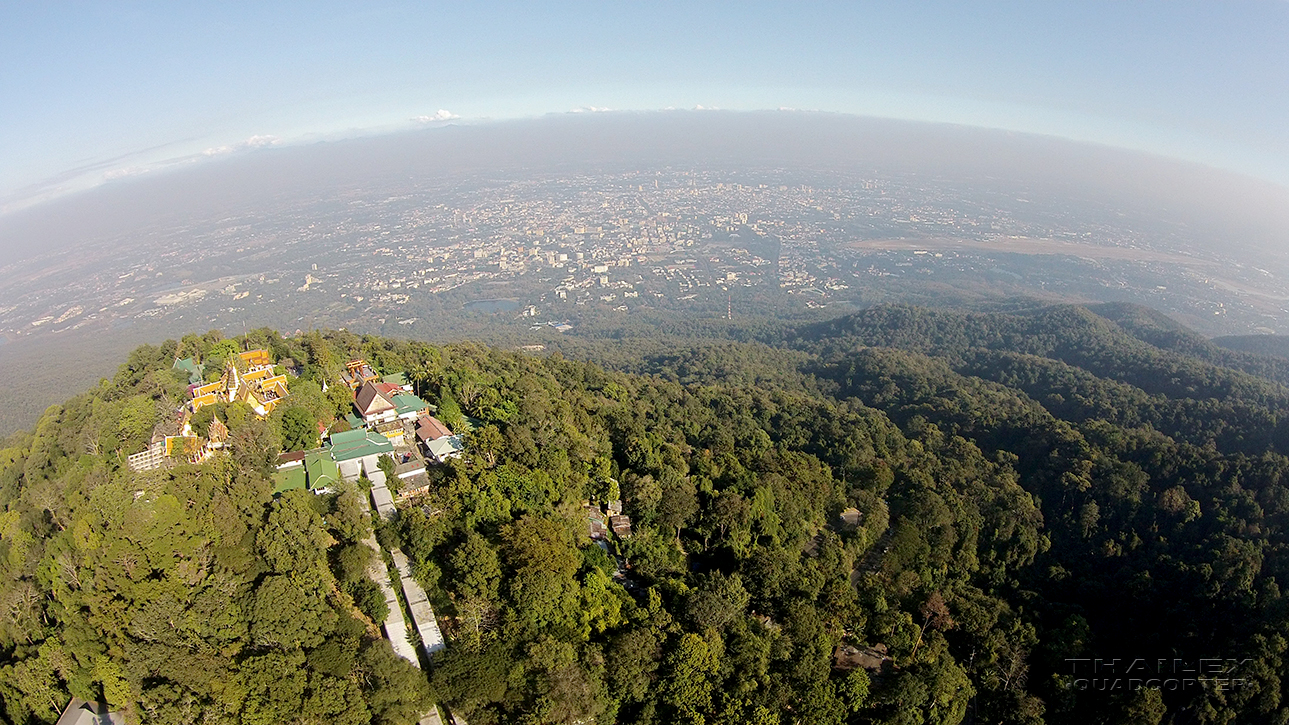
{"x":256,"y":385}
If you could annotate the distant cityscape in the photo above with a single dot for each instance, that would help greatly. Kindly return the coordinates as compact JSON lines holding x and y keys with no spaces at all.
{"x":548,"y":250}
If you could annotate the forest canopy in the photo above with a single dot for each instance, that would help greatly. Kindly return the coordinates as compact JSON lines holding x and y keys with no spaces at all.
{"x":1064,"y":515}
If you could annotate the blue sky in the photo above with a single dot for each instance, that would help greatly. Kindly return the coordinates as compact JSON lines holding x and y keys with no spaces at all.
{"x":90,"y":91}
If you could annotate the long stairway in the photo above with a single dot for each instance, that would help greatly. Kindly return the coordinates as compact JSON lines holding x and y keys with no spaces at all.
{"x":418,"y":604}
{"x":427,"y":625}
{"x":395,"y":628}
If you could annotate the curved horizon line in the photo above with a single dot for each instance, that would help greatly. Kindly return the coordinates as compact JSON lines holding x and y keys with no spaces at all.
{"x":97,"y":174}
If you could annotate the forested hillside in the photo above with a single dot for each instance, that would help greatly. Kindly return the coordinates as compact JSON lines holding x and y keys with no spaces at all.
{"x":1068,"y":515}
{"x":1273,"y":345}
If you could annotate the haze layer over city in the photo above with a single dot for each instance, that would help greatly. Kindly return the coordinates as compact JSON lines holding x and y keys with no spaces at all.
{"x":534,"y":229}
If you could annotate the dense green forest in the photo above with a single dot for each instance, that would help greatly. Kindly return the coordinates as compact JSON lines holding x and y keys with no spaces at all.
{"x":1060,"y":515}
{"x":1275,"y":345}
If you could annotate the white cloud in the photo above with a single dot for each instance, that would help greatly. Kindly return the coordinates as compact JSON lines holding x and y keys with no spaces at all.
{"x":124,"y":172}
{"x":254,"y":142}
{"x":441,"y":115}
{"x":590,"y":109}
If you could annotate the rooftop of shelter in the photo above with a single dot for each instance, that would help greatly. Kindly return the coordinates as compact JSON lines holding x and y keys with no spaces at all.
{"x":358,"y":443}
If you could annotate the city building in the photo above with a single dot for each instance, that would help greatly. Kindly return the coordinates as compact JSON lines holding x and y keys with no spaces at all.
{"x":163,"y":450}
{"x":374,"y":402}
{"x":621,"y":525}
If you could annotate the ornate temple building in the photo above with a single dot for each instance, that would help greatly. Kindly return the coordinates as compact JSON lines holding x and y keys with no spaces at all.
{"x":248,"y":378}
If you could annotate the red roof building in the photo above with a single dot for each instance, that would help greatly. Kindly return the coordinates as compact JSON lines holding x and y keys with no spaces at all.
{"x":429,"y":428}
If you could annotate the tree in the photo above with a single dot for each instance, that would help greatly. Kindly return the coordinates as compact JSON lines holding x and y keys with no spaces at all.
{"x":716,"y":601}
{"x":822,"y":705}
{"x":307,"y":394}
{"x":729,"y":519}
{"x":255,"y":447}
{"x":476,"y":567}
{"x":979,"y":449}
{"x":352,"y":561}
{"x":369,"y":599}
{"x":473,"y":679}
{"x":540,"y":553}
{"x":571,"y":695}
{"x":274,"y":686}
{"x":398,"y":691}
{"x":632,"y":661}
{"x":936,"y":690}
{"x":679,"y":502}
{"x":294,"y":538}
{"x":1144,"y":706}
{"x":135,"y":423}
{"x":425,"y":371}
{"x":853,"y":690}
{"x":299,"y":430}
{"x":348,"y":519}
{"x":31,"y":688}
{"x":486,"y":442}
{"x":687,"y":686}
{"x":341,"y":399}
{"x":935,"y":613}
{"x":335,"y":700}
{"x":387,"y":466}
{"x":290,"y":615}
{"x":449,"y":412}
{"x":602,"y":603}
{"x":217,"y":355}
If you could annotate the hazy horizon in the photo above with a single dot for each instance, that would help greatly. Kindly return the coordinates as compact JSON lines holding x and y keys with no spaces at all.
{"x":1230,"y":207}
{"x":96,"y":94}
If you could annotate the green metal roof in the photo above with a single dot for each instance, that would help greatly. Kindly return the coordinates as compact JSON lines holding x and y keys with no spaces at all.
{"x":322,"y":470}
{"x":194,"y":370}
{"x":358,"y":443}
{"x":348,"y":436}
{"x":408,"y":403}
